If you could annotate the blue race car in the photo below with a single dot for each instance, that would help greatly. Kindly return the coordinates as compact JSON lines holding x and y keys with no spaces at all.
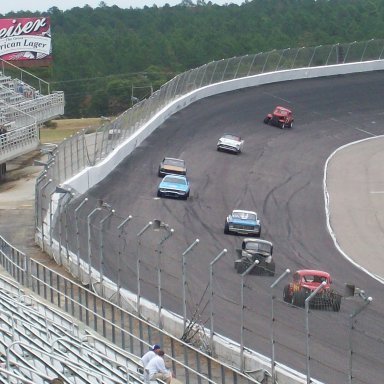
{"x":243,"y":223}
{"x":174,"y":186}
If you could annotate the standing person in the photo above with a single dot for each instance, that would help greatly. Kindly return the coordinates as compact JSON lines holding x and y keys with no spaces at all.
{"x":147,"y":357}
{"x":157,"y":370}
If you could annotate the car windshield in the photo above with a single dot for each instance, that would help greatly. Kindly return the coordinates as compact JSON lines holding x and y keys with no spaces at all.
{"x":232,"y":137}
{"x":174,"y":162}
{"x":258,"y":246}
{"x":244,"y":216}
{"x":314,"y":279}
{"x":280,"y":111}
{"x":175,"y":180}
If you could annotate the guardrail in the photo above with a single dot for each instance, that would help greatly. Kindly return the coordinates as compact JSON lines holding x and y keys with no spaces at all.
{"x":113,"y":322}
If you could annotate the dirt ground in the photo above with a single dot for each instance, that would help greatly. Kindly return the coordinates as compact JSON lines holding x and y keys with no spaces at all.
{"x":17,"y":190}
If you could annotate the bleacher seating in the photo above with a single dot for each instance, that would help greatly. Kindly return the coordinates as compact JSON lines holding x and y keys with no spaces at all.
{"x":39,"y":343}
{"x":24,"y":109}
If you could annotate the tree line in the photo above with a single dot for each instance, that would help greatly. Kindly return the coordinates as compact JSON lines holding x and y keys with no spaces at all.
{"x":105,"y":55}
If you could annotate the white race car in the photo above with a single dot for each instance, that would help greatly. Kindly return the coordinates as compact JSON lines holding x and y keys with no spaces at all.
{"x":230,"y":143}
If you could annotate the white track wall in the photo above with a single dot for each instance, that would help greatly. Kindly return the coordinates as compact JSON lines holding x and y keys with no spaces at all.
{"x":93,"y":175}
{"x":226,"y":349}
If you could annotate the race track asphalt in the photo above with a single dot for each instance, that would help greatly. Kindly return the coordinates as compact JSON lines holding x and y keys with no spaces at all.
{"x":280,"y":175}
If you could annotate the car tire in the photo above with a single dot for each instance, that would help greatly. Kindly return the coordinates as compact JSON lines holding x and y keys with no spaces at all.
{"x":291,"y":124}
{"x":286,"y":296}
{"x":242,"y":267}
{"x":298,"y":298}
{"x":159,"y":173}
{"x":159,"y":194}
{"x":266,"y":120}
{"x":336,"y":302}
{"x":226,"y":228}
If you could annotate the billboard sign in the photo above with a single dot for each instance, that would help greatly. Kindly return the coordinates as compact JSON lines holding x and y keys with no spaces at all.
{"x":25,"y":39}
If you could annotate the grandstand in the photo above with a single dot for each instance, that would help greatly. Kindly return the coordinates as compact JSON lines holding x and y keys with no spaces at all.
{"x":39,"y":343}
{"x":23,"y":109}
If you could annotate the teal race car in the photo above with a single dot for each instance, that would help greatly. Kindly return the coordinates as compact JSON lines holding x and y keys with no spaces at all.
{"x":176,"y":186}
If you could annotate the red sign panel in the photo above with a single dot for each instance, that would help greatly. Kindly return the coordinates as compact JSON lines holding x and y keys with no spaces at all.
{"x":25,"y":39}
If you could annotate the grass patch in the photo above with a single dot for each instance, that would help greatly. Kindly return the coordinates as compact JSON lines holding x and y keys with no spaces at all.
{"x":58,"y":130}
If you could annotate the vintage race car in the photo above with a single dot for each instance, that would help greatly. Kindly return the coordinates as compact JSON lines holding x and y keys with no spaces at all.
{"x":281,"y":117}
{"x":230,"y":143}
{"x":243,"y":222}
{"x":255,"y":251}
{"x":171,"y":166}
{"x":174,"y":186}
{"x":304,"y":282}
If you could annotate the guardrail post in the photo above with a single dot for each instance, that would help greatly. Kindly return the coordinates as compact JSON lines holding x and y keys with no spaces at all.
{"x":216,"y":259}
{"x":249,"y":269}
{"x":367,"y":300}
{"x":184,"y":278}
{"x":138,"y":261}
{"x":273,"y":363}
{"x":307,"y":335}
{"x":101,"y":253}
{"x":120,"y":228}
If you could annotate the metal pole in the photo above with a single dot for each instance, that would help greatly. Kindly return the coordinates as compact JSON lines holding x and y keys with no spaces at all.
{"x":101,"y":261}
{"x":63,"y":191}
{"x":297,"y":54}
{"x":249,"y":269}
{"x":273,"y":285}
{"x":66,"y":225}
{"x":37,"y":190}
{"x":307,"y":300}
{"x":160,"y":249}
{"x":138,"y":236}
{"x":78,"y":236}
{"x":90,"y":245}
{"x":121,"y":229}
{"x":51,"y":220}
{"x":352,"y":316}
{"x":41,"y":210}
{"x":365,"y":48}
{"x":184,"y":274}
{"x":216,"y":259}
{"x":313,"y":55}
{"x":60,"y":226}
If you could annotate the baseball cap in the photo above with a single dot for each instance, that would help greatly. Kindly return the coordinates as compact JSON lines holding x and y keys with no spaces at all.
{"x":156,"y":346}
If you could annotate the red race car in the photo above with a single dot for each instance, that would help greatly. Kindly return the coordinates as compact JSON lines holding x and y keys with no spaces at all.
{"x":304,"y":282}
{"x":281,"y":117}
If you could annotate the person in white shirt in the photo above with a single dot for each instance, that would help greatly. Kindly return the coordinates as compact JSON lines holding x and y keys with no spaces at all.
{"x":147,"y":357}
{"x":157,"y":370}
{"x":150,"y":355}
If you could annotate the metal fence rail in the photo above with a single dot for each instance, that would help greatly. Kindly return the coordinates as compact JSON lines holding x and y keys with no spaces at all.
{"x":112,"y":321}
{"x":79,"y":246}
{"x":81,"y":153}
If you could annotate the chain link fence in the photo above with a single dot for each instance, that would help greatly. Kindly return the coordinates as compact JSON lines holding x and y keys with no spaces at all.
{"x":78,"y":232}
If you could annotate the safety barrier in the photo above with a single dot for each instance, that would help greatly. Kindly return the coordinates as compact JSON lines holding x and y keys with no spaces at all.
{"x":84,"y":160}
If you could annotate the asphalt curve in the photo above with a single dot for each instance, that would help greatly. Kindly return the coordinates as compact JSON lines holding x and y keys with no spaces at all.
{"x":280,"y":175}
